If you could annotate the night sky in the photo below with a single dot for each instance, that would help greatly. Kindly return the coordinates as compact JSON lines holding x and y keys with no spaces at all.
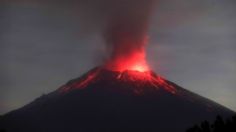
{"x":44,"y":44}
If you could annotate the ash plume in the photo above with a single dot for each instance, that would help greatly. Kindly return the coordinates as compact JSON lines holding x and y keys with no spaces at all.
{"x":127,"y":26}
{"x":122,"y":23}
{"x":126,"y":31}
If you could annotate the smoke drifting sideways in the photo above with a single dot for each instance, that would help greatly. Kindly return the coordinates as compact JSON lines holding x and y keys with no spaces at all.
{"x":122,"y":23}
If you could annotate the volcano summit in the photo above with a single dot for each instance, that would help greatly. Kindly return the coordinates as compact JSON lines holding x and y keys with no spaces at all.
{"x":114,"y":101}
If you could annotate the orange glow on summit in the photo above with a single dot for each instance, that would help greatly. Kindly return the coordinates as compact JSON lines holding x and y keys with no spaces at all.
{"x":135,"y":62}
{"x":129,"y":55}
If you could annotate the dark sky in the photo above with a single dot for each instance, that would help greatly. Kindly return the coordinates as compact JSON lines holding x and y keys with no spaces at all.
{"x":45,"y":44}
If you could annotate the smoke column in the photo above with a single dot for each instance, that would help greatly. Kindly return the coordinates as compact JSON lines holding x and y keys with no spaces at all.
{"x":126,"y":34}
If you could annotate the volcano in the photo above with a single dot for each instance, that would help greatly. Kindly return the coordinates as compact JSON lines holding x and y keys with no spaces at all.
{"x":103,"y":100}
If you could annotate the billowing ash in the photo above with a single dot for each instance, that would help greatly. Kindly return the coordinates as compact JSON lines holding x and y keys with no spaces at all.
{"x":126,"y":34}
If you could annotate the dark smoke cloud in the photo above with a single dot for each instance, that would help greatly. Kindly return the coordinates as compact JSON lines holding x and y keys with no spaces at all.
{"x":123,"y":23}
{"x":127,"y":25}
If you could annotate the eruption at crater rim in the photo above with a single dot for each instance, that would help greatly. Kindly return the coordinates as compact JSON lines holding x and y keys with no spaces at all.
{"x":126,"y":36}
{"x":136,"y":61}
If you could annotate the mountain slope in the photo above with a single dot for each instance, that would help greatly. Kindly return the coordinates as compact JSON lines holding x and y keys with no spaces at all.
{"x":104,"y":100}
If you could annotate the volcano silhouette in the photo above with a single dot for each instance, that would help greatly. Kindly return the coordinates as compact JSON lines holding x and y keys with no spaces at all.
{"x":111,"y":101}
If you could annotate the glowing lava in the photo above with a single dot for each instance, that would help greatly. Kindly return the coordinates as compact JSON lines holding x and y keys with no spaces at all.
{"x":134,"y":80}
